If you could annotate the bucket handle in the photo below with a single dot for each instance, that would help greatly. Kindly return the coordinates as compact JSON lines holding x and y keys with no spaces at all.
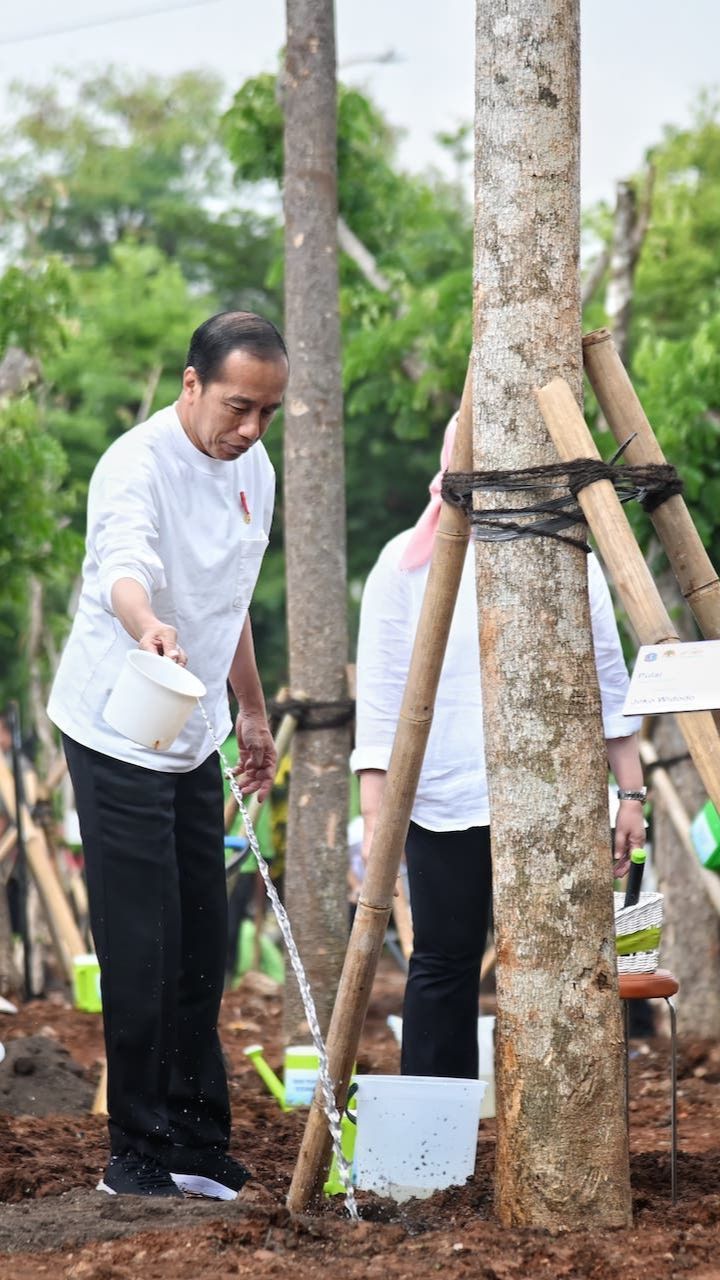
{"x":351,"y":1115}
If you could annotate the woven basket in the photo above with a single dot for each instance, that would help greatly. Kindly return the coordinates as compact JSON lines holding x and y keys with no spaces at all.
{"x":637,"y":933}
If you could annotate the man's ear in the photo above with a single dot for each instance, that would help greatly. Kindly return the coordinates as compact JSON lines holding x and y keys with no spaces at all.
{"x":192,"y":385}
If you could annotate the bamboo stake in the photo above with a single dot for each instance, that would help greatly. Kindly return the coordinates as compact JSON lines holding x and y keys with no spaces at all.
{"x":489,"y":961}
{"x":636,"y":588}
{"x":99,"y":1106}
{"x":667,"y":792}
{"x":66,"y":936}
{"x":8,"y":840}
{"x":55,"y":775}
{"x":376,"y":894}
{"x":673,"y":523}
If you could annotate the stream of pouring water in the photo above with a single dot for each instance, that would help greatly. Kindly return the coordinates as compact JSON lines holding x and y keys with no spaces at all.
{"x":327,"y":1092}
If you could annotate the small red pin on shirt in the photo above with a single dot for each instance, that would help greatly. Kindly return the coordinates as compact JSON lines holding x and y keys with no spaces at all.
{"x":247,"y":517}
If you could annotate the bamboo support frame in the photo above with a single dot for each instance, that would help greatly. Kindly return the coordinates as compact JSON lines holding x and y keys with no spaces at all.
{"x":376,"y":895}
{"x":666,"y":791}
{"x":67,"y":939}
{"x":673,"y":523}
{"x":99,"y":1106}
{"x":633,"y":580}
{"x":8,"y":840}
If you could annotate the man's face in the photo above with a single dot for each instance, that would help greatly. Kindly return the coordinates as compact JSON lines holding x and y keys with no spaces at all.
{"x":224,"y":418}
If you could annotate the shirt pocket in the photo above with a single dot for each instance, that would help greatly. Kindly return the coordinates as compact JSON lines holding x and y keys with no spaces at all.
{"x":247,"y":568}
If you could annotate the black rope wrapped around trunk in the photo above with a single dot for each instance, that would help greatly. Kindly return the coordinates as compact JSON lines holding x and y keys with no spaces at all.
{"x":311,"y":714}
{"x":649,"y":485}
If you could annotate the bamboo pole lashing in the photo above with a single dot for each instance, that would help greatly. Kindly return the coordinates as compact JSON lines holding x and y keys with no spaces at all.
{"x":691,"y":564}
{"x":633,"y":580}
{"x":376,"y":895}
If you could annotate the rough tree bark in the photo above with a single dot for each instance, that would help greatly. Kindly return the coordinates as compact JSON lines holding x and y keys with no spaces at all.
{"x":562,"y":1157}
{"x":314,"y":506}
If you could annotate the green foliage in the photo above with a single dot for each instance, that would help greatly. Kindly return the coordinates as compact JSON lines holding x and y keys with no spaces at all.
{"x":32,"y":303}
{"x":675,"y":331}
{"x":33,"y":467}
{"x":132,"y":320}
{"x":679,"y":384}
{"x":405,"y":350}
{"x":678,"y":278}
{"x":115,"y":157}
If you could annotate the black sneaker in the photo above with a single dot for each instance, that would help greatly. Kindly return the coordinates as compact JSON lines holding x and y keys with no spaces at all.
{"x":205,"y":1172}
{"x":132,"y":1174}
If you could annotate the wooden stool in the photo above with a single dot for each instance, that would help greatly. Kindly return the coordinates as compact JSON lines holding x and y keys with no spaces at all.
{"x":655,"y":986}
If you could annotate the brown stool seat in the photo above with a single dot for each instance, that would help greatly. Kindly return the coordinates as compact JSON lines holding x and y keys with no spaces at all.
{"x":648,"y":986}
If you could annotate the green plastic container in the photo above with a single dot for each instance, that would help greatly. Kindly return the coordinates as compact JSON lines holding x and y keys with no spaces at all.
{"x":705,"y":832}
{"x":86,"y":984}
{"x":333,"y":1185}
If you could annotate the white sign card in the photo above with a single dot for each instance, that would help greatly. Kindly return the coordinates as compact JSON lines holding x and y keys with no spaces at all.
{"x":675,"y":677}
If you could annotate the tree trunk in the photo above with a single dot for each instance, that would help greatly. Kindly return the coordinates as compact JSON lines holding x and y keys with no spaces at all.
{"x":10,"y":979}
{"x":630,"y":225}
{"x":316,"y":876}
{"x":37,"y":691}
{"x":562,"y":1156}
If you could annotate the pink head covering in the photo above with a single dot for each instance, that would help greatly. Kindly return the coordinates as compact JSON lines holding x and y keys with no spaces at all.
{"x":419,"y":549}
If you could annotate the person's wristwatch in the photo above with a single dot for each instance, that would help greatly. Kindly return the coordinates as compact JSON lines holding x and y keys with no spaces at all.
{"x":639,"y":794}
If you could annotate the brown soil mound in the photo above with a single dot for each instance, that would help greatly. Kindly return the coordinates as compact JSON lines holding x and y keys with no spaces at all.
{"x":52,"y":1224}
{"x":39,"y":1078}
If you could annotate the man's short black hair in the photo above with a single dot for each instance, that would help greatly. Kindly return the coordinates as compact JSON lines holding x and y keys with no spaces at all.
{"x":228,"y":331}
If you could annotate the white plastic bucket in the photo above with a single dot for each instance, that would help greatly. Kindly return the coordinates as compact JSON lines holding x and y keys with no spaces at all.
{"x":152,"y":699}
{"x":415,"y":1134}
{"x":486,"y":1058}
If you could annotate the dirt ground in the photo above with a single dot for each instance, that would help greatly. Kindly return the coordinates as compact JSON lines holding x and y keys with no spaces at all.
{"x":53,"y":1224}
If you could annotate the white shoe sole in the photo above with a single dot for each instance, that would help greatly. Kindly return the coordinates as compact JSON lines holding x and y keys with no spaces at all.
{"x":197,"y":1186}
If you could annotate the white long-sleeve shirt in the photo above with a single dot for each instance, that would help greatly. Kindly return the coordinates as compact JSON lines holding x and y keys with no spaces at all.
{"x":172,"y":518}
{"x":452,"y":792}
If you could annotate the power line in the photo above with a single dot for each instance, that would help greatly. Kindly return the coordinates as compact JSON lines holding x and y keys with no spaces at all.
{"x":104,"y":22}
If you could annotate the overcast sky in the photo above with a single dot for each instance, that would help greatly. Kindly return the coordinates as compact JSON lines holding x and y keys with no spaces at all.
{"x":644,"y":61}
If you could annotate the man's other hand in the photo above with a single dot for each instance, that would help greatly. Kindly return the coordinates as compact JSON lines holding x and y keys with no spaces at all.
{"x":257,"y":758}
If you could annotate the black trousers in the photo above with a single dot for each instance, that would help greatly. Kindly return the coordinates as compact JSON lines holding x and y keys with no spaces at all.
{"x":450,"y":879}
{"x":154,"y":858}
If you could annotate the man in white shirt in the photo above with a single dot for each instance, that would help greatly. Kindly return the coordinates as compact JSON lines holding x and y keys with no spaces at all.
{"x":179,"y":511}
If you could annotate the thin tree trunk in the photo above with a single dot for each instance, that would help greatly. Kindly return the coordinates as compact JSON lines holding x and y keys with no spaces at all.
{"x":316,"y":875}
{"x":630,"y":226}
{"x":10,"y":979}
{"x":37,"y":692}
{"x":562,"y":1157}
